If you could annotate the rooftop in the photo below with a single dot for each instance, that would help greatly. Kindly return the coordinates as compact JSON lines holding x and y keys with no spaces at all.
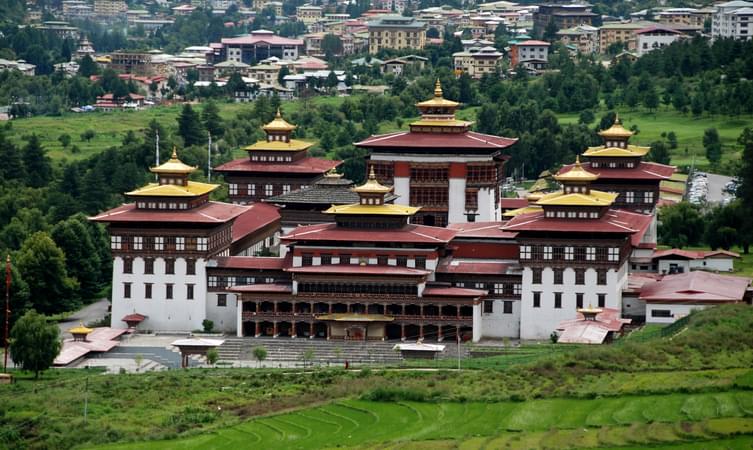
{"x":695,"y":287}
{"x":208,"y":213}
{"x":307,"y":165}
{"x":416,"y":234}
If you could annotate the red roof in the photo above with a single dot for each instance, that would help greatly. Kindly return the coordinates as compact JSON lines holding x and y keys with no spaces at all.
{"x":469,"y":139}
{"x":582,"y":331}
{"x":513,"y":203}
{"x":614,"y":221}
{"x":474,"y":268}
{"x":532,"y":42}
{"x":208,"y":213}
{"x":135,"y":317}
{"x":273,"y":288}
{"x":260,"y":38}
{"x":644,"y":171}
{"x":250,"y":262}
{"x":481,"y":230}
{"x":695,"y":287}
{"x":452,"y":292}
{"x":303,"y":165}
{"x":353,"y":269}
{"x":693,"y":254}
{"x":420,"y":234}
{"x":258,"y":216}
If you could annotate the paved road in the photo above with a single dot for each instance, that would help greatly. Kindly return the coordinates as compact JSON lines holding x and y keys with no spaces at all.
{"x":87,"y":314}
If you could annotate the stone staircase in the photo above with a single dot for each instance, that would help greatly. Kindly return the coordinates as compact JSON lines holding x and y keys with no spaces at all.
{"x":289,"y":350}
{"x":231,"y":349}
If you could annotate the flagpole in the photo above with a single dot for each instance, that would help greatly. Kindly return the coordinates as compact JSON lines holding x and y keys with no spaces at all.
{"x":209,"y":158}
{"x":156,"y":152}
{"x":7,"y":311}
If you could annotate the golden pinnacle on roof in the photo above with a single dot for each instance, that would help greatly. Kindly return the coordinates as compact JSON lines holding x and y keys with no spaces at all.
{"x":577,"y":173}
{"x":173,"y":165}
{"x":372,"y":186}
{"x":332,"y":173}
{"x":438,"y":89}
{"x":279,"y":124}
{"x":616,"y":130}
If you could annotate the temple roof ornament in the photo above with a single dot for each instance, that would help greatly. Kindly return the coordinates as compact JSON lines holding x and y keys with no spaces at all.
{"x":616,"y":130}
{"x":279,"y":124}
{"x":577,"y":174}
{"x":372,"y":186}
{"x":173,"y":166}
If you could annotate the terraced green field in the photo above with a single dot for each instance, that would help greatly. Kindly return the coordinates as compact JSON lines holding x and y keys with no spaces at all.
{"x":551,"y":423}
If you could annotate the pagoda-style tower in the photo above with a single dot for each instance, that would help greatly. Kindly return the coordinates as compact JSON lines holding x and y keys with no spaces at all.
{"x":622,"y":170}
{"x":160,"y":245}
{"x":454,"y":174}
{"x":277,"y":165}
{"x":574,"y":248}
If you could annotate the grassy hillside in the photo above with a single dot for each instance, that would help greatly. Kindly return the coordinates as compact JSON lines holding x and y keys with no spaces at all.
{"x":701,"y":373}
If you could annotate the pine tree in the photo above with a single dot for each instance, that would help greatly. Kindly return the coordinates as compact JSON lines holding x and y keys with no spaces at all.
{"x":713,"y":145}
{"x":189,"y":126}
{"x":12,"y":167}
{"x":37,"y":164}
{"x":212,"y":120}
{"x":94,"y":194}
{"x":82,"y":260}
{"x":659,"y":153}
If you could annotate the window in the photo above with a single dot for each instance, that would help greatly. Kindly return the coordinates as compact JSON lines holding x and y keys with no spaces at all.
{"x":189,"y":292}
{"x":251,"y":189}
{"x":630,"y":197}
{"x":558,"y":275}
{"x":382,"y":260}
{"x":147,"y":290}
{"x":507,"y":307}
{"x":307,"y":259}
{"x":558,"y":300}
{"x":221,"y":300}
{"x":569,"y":251}
{"x":148,"y":265}
{"x":601,"y":277}
{"x":115,"y":242}
{"x":525,"y":252}
{"x":661,"y":313}
{"x":138,"y":243}
{"x":517,"y":289}
{"x":344,"y":258}
{"x":159,"y":243}
{"x":170,"y":266}
{"x":169,"y":291}
{"x":536,"y":275}
{"x":232,"y":189}
{"x":537,"y":299}
{"x":213,"y":281}
{"x":488,"y":306}
{"x":402,"y":261}
{"x":180,"y":243}
{"x":285,"y":188}
{"x":547,"y":252}
{"x":127,"y":265}
{"x":202,"y":244}
{"x":190,"y":267}
{"x":580,"y":276}
{"x":126,"y":290}
{"x":648,"y":197}
{"x":614,"y":254}
{"x":326,"y":259}
{"x":420,"y":262}
{"x":590,"y":253}
{"x":602,"y":300}
{"x":579,"y":300}
{"x":268,"y":189}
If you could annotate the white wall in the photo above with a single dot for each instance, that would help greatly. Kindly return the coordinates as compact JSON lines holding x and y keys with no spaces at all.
{"x":224,"y":317}
{"x":176,"y":314}
{"x":488,"y":211}
{"x":402,"y":190}
{"x":678,"y":312}
{"x":497,"y":324}
{"x":456,"y":203}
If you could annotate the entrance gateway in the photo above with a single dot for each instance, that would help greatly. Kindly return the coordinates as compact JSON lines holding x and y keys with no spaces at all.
{"x":354,"y":326}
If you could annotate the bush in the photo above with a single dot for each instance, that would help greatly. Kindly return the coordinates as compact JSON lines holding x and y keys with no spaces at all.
{"x":208,"y":325}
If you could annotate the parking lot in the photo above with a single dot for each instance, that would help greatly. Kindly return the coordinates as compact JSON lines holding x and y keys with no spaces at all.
{"x":710,"y":188}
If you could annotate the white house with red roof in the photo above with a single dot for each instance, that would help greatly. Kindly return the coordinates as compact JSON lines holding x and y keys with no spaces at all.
{"x":675,"y":260}
{"x":675,"y":296}
{"x":655,"y":37}
{"x":255,"y":47}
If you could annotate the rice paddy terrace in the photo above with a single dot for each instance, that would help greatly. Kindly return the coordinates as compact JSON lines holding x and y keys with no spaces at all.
{"x":709,"y":420}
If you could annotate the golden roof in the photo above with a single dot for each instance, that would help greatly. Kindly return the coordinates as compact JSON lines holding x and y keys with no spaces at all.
{"x":534,"y":197}
{"x":376,"y":210}
{"x":540,"y":185}
{"x":577,"y":173}
{"x":279,"y":124}
{"x":442,"y":123}
{"x":293,"y":145}
{"x":332,"y":173}
{"x":631,"y":150}
{"x":594,"y":198}
{"x":616,"y":130}
{"x":438,"y":99}
{"x":81,"y":329}
{"x":173,"y":166}
{"x":372,"y":186}
{"x":193,"y":189}
{"x":523,"y":210}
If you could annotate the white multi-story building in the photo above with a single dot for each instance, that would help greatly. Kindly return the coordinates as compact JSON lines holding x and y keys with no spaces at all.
{"x":477,"y":61}
{"x":733,"y":20}
{"x":655,"y":37}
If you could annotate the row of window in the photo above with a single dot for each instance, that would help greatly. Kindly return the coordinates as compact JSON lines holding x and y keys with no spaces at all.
{"x":489,"y":307}
{"x":269,"y":189}
{"x":162,"y":205}
{"x":307,"y":259}
{"x":169,"y":266}
{"x":572,"y":214}
{"x":601,"y":300}
{"x":580,"y":276}
{"x":494,"y":288}
{"x":148,"y":288}
{"x":648,"y":197}
{"x":224,"y":281}
{"x":569,"y":253}
{"x":175,"y":243}
{"x":358,"y":288}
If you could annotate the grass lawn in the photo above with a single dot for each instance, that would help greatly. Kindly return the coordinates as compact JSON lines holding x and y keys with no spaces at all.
{"x":553,"y":423}
{"x":689,"y":131}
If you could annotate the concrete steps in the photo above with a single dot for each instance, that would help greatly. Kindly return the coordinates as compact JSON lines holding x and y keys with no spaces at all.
{"x":296,"y":350}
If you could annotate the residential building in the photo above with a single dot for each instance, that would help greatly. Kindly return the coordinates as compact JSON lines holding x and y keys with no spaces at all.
{"x":257,"y":46}
{"x":682,"y":16}
{"x":454,"y":174}
{"x":623,"y":32}
{"x":563,"y":15}
{"x":531,"y":54}
{"x":277,"y":165}
{"x":308,"y":14}
{"x":139,"y":63}
{"x":396,"y":32}
{"x":733,"y":20}
{"x":110,"y":8}
{"x":584,"y":38}
{"x":680,"y":261}
{"x":655,"y":37}
{"x":477,"y":61}
{"x":19,"y":65}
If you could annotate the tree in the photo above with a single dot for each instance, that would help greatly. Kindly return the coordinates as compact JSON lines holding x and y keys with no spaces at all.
{"x":466,"y":89}
{"x":34,"y":344}
{"x":586,"y":117}
{"x":88,"y":135}
{"x":672,"y":140}
{"x":681,"y":225}
{"x":87,"y":67}
{"x":12,"y":167}
{"x":550,"y":32}
{"x":260,"y":354}
{"x":284,"y":71}
{"x":36,"y":163}
{"x":651,"y":98}
{"x":713,"y":145}
{"x":659,"y":153}
{"x":42,"y":264}
{"x":189,"y":126}
{"x":212,"y":120}
{"x":65,"y":139}
{"x":331,"y":45}
{"x":213,"y":355}
{"x":72,"y":236}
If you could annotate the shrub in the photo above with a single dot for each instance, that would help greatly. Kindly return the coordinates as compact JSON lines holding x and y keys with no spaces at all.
{"x":208,"y":325}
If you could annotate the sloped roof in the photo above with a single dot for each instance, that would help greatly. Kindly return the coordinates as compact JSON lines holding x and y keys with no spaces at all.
{"x":420,"y":234}
{"x":693,"y":254}
{"x":696,"y":287}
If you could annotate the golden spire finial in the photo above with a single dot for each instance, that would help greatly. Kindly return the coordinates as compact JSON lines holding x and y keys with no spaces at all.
{"x":175,"y":153}
{"x":372,"y":175}
{"x":617,"y":119}
{"x":279,"y":114}
{"x":438,"y":89}
{"x":577,"y":160}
